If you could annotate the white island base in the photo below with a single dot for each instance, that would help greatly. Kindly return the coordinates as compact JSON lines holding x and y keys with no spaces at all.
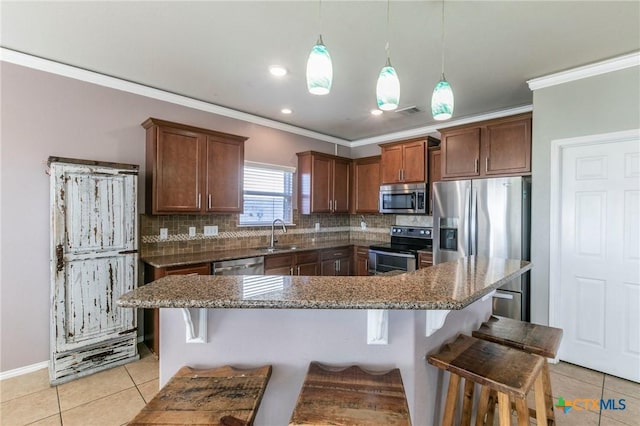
{"x":289,"y":339}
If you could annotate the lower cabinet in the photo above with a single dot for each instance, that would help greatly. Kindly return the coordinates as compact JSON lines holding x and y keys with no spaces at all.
{"x":152,"y":316}
{"x":336,"y":261}
{"x":425,"y":259}
{"x":361,"y":261}
{"x":304,"y":263}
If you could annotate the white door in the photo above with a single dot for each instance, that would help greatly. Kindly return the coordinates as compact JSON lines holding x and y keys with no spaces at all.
{"x":599,"y":251}
{"x":94,"y":261}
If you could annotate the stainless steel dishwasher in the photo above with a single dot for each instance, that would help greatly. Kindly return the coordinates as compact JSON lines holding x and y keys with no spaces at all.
{"x":249,"y":266}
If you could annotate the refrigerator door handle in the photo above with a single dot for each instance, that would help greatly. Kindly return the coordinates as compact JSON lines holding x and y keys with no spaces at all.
{"x":473,"y":219}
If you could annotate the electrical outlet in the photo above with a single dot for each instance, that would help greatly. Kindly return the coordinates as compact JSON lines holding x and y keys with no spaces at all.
{"x":317,"y":226}
{"x":210,"y":231}
{"x":192,"y":231}
{"x":164,"y":233}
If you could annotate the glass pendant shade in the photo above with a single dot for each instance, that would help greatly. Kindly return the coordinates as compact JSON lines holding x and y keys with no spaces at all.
{"x":442,"y":101}
{"x":319,"y":69}
{"x":388,"y":88}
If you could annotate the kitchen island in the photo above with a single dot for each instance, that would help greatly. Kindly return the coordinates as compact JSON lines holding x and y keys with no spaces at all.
{"x":378,"y":322}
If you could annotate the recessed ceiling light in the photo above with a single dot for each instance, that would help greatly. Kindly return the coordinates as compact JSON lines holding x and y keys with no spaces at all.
{"x":286,"y":111}
{"x":277,"y":70}
{"x":376,"y":112}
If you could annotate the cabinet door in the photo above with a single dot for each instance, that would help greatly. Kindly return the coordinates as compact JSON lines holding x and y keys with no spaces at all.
{"x":425,"y":260}
{"x":224,"y":175}
{"x":414,"y":159}
{"x":340,"y":183}
{"x":307,"y":269}
{"x":391,"y":164}
{"x":278,"y":264}
{"x":507,"y":148}
{"x":366,"y":185}
{"x":460,"y":150}
{"x":321,"y":190}
{"x":344,"y":266}
{"x":179,"y":161}
{"x":361,"y":266}
{"x":328,"y":268}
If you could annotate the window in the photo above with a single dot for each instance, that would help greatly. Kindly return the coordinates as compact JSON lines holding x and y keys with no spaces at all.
{"x":268,"y":194}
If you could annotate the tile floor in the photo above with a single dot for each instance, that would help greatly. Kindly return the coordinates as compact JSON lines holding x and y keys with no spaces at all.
{"x":114,"y":396}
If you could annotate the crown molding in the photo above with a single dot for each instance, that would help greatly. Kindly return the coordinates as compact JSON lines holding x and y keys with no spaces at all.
{"x":423,"y":131}
{"x":46,"y":65}
{"x":591,"y":70}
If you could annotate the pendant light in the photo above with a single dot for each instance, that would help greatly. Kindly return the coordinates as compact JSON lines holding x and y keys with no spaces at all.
{"x":319,"y":67}
{"x":388,"y":86}
{"x":442,"y":98}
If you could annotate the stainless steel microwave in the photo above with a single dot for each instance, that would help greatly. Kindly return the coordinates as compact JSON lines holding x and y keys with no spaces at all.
{"x":410,"y":198}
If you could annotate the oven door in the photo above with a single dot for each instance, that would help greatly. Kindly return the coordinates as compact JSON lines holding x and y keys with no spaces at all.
{"x":381,"y":262}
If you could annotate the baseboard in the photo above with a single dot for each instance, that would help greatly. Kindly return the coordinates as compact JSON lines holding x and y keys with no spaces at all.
{"x":23,"y":370}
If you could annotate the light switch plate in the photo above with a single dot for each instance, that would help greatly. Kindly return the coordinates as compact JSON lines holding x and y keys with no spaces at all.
{"x":363,"y":225}
{"x":317,"y":226}
{"x":192,"y":231}
{"x":164,"y":233}
{"x":210,"y":231}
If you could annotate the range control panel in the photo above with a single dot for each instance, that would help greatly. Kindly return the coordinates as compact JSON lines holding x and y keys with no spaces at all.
{"x":412,"y":232}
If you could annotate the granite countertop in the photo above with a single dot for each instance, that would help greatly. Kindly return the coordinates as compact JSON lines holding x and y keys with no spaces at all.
{"x":450,"y":285}
{"x":220,"y":255}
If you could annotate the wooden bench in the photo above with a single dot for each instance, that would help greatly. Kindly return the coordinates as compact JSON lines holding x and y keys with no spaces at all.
{"x":532,"y":338}
{"x":223,"y":396}
{"x":509,"y":372}
{"x":351,"y":396}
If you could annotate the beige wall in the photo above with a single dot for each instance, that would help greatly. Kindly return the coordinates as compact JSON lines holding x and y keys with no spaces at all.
{"x":601,"y":104}
{"x":46,"y":115}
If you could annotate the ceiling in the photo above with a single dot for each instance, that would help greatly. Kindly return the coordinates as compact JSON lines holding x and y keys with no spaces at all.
{"x":219,"y":52}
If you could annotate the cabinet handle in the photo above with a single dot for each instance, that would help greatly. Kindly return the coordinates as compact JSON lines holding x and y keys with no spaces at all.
{"x":338,"y":265}
{"x":335,"y":205}
{"x":486,"y":164}
{"x":291,"y":271}
{"x":330,"y":205}
{"x":298,"y":269}
{"x":400,"y":175}
{"x":209,"y":201}
{"x":477,"y":164}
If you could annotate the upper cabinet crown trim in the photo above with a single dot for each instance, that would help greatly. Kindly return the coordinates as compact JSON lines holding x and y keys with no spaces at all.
{"x":163,"y":123}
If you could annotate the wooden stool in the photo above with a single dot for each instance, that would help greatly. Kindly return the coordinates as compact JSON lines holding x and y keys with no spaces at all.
{"x":532,"y":338}
{"x":351,"y":396}
{"x":223,"y":396}
{"x":509,"y":372}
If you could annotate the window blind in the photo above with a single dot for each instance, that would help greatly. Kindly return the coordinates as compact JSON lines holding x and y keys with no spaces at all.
{"x":268,"y":193}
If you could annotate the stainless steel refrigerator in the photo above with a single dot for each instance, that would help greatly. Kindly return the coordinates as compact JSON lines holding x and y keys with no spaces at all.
{"x":486,"y":217}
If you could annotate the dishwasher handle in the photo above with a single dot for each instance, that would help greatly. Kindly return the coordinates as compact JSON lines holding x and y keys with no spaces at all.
{"x":231,"y":268}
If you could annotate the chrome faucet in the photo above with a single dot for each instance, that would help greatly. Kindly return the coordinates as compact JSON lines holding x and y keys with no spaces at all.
{"x":284,"y":230}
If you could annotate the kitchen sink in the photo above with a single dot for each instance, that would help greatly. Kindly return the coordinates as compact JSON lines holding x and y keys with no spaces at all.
{"x":276,"y":249}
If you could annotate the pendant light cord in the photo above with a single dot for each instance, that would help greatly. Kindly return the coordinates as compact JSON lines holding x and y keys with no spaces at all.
{"x":388,"y":31}
{"x":320,"y":14}
{"x":442,"y":39}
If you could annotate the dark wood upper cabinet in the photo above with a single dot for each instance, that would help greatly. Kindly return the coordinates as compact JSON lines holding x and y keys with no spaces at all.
{"x":460,"y":150}
{"x":404,"y":162}
{"x":225,"y":175}
{"x":366,"y":184}
{"x":500,"y":147}
{"x":323,"y":183}
{"x":192,"y":170}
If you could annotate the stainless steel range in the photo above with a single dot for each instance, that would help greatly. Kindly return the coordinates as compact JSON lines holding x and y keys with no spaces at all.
{"x":401,"y":254}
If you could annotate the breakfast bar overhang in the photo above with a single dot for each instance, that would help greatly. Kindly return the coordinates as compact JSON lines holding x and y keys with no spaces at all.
{"x":377,"y":322}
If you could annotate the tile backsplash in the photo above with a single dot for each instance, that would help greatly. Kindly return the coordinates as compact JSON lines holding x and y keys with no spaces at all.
{"x":232,"y":236}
